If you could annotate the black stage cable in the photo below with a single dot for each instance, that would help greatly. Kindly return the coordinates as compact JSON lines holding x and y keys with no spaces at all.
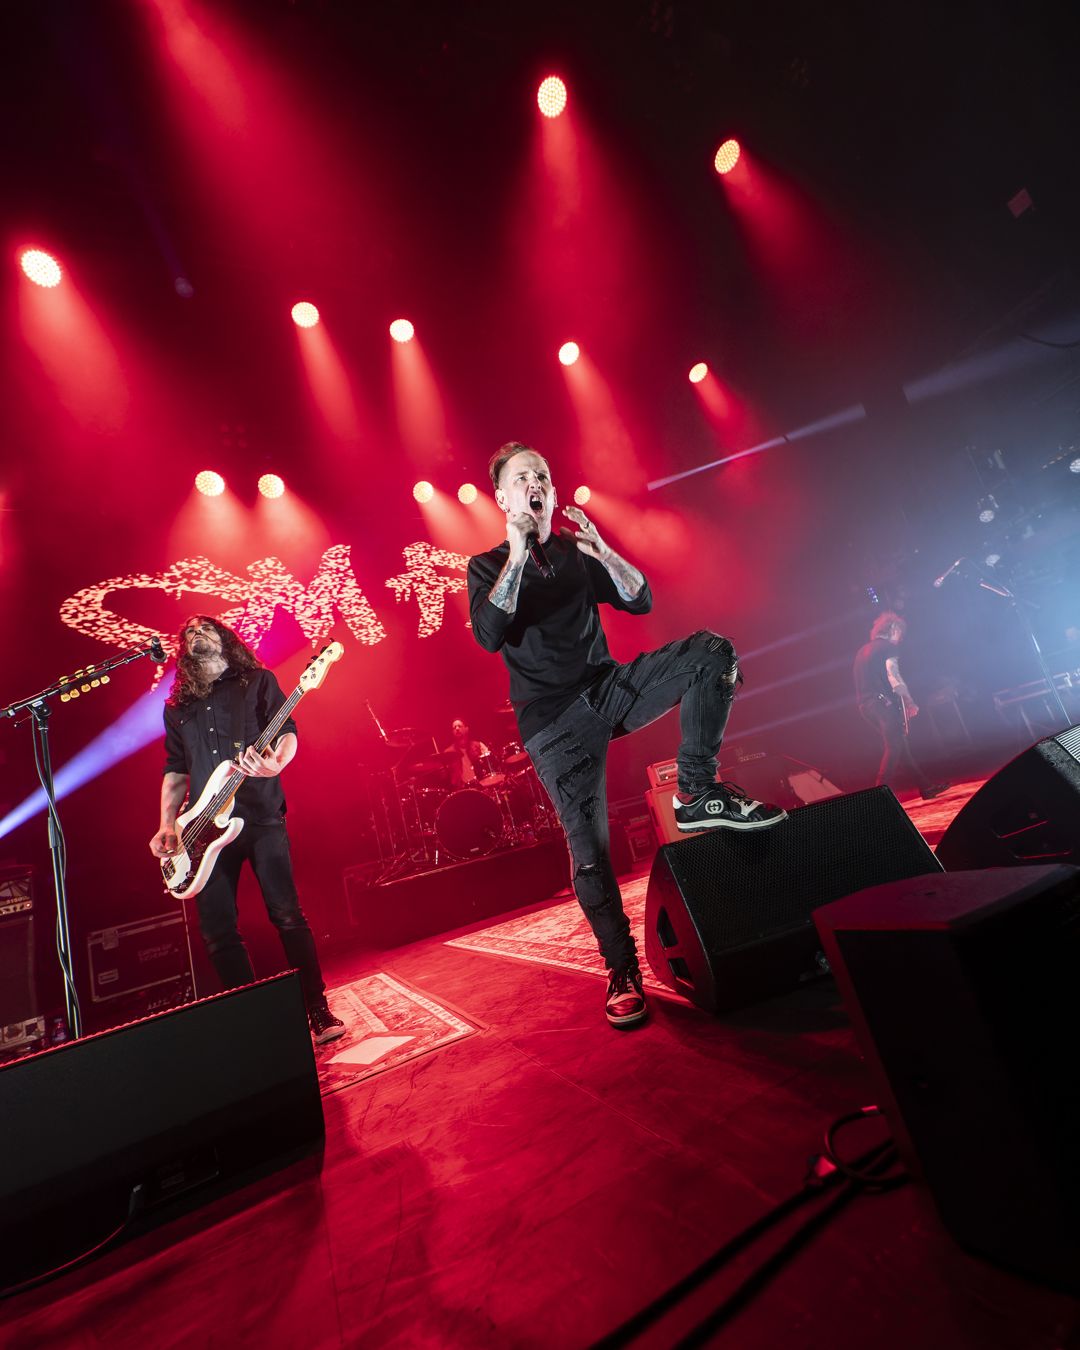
{"x":825,"y":1171}
{"x":135,"y":1204}
{"x":755,"y":1282}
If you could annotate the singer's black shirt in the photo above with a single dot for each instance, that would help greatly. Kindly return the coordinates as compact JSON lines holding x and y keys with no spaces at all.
{"x":207,"y":732}
{"x":871,"y":677}
{"x":553,"y":644}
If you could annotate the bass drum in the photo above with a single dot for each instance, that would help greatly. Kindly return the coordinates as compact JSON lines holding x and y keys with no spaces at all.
{"x":469,"y":824}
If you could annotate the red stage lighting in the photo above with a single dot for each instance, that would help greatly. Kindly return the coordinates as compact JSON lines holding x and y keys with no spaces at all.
{"x":727,"y":156}
{"x":270,"y":485}
{"x":698,"y":372}
{"x":423,"y":492}
{"x":582,"y":495}
{"x":569,"y":353}
{"x":209,"y":483}
{"x":304,"y":314}
{"x":467,"y":494}
{"x":42,"y":268}
{"x":551,"y":96}
{"x":401,"y":330}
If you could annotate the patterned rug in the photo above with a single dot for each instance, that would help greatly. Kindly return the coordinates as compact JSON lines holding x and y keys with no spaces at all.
{"x":559,"y":936}
{"x":386,"y":1024}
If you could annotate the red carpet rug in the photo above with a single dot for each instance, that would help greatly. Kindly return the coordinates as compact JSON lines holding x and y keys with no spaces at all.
{"x":386,"y":1024}
{"x":559,"y":936}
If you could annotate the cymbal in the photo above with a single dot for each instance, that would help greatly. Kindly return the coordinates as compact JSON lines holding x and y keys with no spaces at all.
{"x":402,"y":738}
{"x":505,"y":709}
{"x":436,"y":764}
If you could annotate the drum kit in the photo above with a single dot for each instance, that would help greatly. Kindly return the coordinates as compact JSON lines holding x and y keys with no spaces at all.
{"x":421,"y":820}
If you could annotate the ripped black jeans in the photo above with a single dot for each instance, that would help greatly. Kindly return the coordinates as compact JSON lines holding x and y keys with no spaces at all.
{"x":699,"y":673}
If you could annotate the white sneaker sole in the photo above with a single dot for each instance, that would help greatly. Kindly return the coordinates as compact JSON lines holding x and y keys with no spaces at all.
{"x":695,"y":827}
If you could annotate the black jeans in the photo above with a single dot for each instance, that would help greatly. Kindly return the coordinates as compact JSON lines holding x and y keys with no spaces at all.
{"x":266,"y":847}
{"x":897,"y":765}
{"x":699,"y":674}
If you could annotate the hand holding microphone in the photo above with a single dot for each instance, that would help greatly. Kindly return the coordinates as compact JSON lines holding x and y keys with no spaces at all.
{"x":523,"y":535}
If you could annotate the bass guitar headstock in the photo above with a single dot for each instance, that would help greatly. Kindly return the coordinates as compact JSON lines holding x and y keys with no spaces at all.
{"x":316,"y":669}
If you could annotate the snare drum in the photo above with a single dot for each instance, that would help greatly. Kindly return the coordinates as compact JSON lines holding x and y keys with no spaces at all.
{"x":514,"y":756}
{"x":469,"y":824}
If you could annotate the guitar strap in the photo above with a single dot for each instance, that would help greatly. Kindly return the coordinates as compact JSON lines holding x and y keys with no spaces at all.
{"x":238,"y":714}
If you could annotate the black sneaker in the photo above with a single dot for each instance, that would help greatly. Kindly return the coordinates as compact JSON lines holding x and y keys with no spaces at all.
{"x":324,"y":1025}
{"x":934,"y":790}
{"x":625,"y":998}
{"x":724,"y":806}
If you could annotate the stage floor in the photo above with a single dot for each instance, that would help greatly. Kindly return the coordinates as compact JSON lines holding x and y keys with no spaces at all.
{"x":538,"y":1180}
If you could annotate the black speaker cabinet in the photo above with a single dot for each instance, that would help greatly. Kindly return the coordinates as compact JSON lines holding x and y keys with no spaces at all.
{"x":184,"y":1106}
{"x":964,"y":996}
{"x":727,"y":914}
{"x":1029,"y":812}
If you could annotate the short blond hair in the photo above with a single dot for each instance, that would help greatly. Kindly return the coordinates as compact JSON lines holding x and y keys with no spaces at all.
{"x":506,"y":452}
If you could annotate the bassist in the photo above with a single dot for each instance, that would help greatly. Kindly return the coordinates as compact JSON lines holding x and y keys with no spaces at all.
{"x":221,"y":699}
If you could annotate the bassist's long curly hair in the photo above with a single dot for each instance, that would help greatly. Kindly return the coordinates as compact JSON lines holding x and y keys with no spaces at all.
{"x":190,"y":683}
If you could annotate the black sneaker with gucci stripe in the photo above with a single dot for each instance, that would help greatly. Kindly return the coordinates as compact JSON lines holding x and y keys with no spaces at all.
{"x":324,"y":1025}
{"x":725,"y":806}
{"x":625,"y":1003}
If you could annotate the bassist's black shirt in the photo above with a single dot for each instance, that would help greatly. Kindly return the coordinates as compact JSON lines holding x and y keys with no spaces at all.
{"x":207,"y":732}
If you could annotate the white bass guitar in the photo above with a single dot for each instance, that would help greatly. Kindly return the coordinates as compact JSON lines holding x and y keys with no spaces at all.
{"x":205,"y":828}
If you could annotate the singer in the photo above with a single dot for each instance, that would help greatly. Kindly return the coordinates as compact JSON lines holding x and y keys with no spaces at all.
{"x":571,"y":697}
{"x":221,"y":700}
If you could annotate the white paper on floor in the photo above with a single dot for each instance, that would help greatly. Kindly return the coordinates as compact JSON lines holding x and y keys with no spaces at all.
{"x":370,"y":1049}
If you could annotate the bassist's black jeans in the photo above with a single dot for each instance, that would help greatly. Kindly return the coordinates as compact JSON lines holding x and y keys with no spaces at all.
{"x":266,"y":848}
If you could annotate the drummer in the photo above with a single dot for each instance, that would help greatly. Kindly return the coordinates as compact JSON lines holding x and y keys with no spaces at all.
{"x":467,"y":759}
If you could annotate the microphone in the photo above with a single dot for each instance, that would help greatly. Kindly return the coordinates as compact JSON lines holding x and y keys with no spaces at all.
{"x":539,"y":557}
{"x":157,"y":651}
{"x":948,"y":572}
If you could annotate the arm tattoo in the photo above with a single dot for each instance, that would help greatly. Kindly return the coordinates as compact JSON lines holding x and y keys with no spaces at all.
{"x":504,"y":594}
{"x":628,"y":580}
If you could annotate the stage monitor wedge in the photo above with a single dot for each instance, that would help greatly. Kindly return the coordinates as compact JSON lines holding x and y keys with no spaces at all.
{"x":728,"y":913}
{"x":963,"y":992}
{"x":1027,"y":814}
{"x":186,"y":1106}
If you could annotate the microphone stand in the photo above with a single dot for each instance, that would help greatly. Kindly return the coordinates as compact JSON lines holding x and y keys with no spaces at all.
{"x":38,"y":711}
{"x":998,"y":588}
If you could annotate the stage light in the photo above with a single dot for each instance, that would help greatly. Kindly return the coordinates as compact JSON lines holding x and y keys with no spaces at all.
{"x":401,"y":330}
{"x":304,"y":314}
{"x":270,"y":485}
{"x":423,"y":492}
{"x":569,"y":353}
{"x":42,"y":268}
{"x":551,"y":96}
{"x":209,"y":483}
{"x":988,"y":509}
{"x":467,"y":494}
{"x":1074,"y":465}
{"x":582,"y":495}
{"x":698,"y":372}
{"x":727,"y":157}
{"x":992,"y":559}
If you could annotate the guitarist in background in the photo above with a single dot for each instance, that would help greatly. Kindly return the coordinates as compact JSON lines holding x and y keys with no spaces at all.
{"x":886,"y":703}
{"x":221,"y":699}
